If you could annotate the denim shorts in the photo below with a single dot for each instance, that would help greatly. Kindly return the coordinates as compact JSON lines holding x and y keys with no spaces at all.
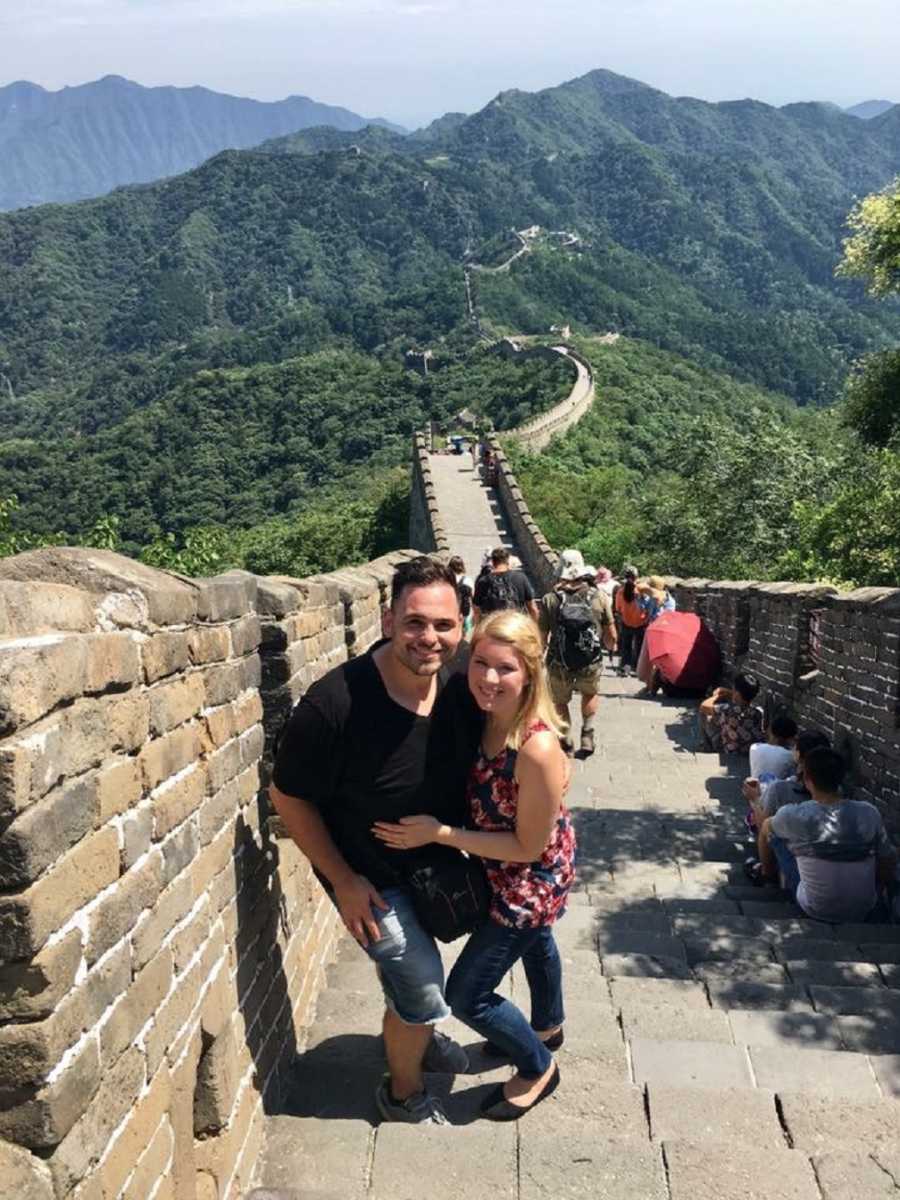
{"x":408,"y":962}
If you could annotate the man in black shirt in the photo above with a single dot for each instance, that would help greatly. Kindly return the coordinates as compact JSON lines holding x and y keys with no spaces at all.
{"x":387,"y":735}
{"x":503,"y":587}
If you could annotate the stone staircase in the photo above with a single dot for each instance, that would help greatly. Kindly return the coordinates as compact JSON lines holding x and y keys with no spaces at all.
{"x":719,"y":1046}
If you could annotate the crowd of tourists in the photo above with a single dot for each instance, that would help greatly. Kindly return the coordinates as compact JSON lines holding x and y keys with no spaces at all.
{"x":425,"y":780}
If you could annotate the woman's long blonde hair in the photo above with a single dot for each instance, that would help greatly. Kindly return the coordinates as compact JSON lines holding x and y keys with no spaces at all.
{"x":519,"y":631}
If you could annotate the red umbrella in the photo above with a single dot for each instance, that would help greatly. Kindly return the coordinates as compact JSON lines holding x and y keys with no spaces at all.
{"x":684,"y":650}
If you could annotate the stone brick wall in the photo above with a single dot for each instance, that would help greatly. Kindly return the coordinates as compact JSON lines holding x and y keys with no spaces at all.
{"x":535,"y":434}
{"x":538,"y":557}
{"x":426,"y":528}
{"x":161,"y":948}
{"x":832,"y":657}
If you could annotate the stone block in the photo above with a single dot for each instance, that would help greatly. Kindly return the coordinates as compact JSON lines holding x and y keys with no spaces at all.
{"x":814,"y":949}
{"x":224,"y":597}
{"x":646,"y":966}
{"x":167,"y":755}
{"x":30,"y":991}
{"x":246,"y":635}
{"x":739,"y":1117}
{"x":677,"y":993}
{"x":737,"y":971}
{"x":118,"y":912}
{"x":679,"y":1064}
{"x":85,"y":1143}
{"x":879,"y":1002}
{"x":165,"y":600}
{"x":776,"y":1028}
{"x":137,"y":834}
{"x":868,"y":1035}
{"x":628,"y":941}
{"x":180,"y":849}
{"x":705,"y":1172}
{"x":135,"y":1007}
{"x":647,"y":1020}
{"x":849,"y":1176}
{"x":30,"y":1051}
{"x":172,"y":906}
{"x":27,"y":918}
{"x":175,"y":702}
{"x":275,"y":598}
{"x":44,"y":832}
{"x":805,"y":972}
{"x":207,"y":644}
{"x":118,"y":787}
{"x":589,"y":1166}
{"x":217,"y":1083}
{"x":330,"y":1157}
{"x":42,"y":1118}
{"x":481,"y":1155}
{"x":37,"y":674}
{"x":134,"y":1135}
{"x":738,"y":993}
{"x":150,"y":1170}
{"x":818,"y":1124}
{"x":825,"y":1072}
{"x":29,"y":608}
{"x":726,"y":949}
{"x":175,"y":799}
{"x":164,"y":654}
{"x":25,"y":1177}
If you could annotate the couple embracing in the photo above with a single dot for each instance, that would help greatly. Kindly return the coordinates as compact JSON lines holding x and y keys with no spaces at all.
{"x":390,"y":766}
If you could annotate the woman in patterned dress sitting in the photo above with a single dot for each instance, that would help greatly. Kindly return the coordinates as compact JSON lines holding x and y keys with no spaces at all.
{"x":521,"y":828}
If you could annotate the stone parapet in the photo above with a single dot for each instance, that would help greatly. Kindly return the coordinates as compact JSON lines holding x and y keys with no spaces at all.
{"x":161,"y":947}
{"x":833,"y":658}
{"x":538,"y":557}
{"x":427,"y":532}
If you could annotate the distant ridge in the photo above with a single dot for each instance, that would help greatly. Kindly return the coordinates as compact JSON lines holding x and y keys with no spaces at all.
{"x":83,"y":141}
{"x":869,"y":109}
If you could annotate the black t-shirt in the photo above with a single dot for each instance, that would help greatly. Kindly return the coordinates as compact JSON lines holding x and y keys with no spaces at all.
{"x":516,"y":582}
{"x":360,"y":757}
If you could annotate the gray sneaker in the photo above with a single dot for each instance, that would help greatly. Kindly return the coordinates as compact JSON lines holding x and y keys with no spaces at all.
{"x":420,"y":1109}
{"x":445,"y":1057}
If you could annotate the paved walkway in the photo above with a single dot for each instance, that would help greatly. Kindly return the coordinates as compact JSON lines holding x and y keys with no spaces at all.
{"x":470,"y":510}
{"x":718,"y":1047}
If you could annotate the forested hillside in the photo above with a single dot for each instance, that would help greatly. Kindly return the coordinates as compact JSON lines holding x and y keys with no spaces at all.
{"x":84,"y":141}
{"x":192,"y":320}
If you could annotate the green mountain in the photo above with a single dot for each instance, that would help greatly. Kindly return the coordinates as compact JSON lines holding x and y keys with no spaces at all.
{"x":84,"y":141}
{"x":869,"y":108}
{"x":708,"y":230}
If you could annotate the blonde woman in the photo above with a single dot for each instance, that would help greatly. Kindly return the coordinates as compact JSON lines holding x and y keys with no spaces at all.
{"x":521,"y":828}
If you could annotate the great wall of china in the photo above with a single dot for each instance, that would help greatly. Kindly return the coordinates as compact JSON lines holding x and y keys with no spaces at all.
{"x":162,"y":947}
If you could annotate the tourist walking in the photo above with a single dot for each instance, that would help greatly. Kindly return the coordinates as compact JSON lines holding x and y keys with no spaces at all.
{"x":632,"y":619}
{"x":520,"y":826}
{"x":503,"y":586}
{"x":385,"y":735}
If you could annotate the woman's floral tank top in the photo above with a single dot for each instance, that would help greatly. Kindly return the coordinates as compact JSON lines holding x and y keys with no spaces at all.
{"x":524,"y":895}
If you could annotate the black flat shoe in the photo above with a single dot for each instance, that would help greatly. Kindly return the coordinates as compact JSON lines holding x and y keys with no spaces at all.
{"x":496,"y":1107}
{"x":491,"y":1050}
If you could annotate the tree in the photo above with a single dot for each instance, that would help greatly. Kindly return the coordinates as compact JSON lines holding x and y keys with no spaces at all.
{"x":872,"y":252}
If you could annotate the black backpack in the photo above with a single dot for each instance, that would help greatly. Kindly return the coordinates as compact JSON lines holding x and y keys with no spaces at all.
{"x":578,"y":642}
{"x":495,"y":593}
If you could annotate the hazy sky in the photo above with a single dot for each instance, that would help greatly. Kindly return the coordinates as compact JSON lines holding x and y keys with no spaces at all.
{"x":410,"y":60}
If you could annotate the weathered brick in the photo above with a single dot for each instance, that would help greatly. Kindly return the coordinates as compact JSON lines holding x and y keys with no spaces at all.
{"x":118,"y":787}
{"x":164,"y":654}
{"x":211,"y":860}
{"x":151,"y":1165}
{"x":137,"y":834}
{"x":37,"y":674}
{"x":177,"y":798}
{"x":32,"y":990}
{"x":118,"y":913}
{"x":246,"y":635}
{"x":28,"y":918}
{"x":135,"y":1007}
{"x":181,"y":1112}
{"x":217,"y":809}
{"x":191,"y":936}
{"x":221,"y":724}
{"x":206,"y":645}
{"x":87,"y":1140}
{"x":253,"y":745}
{"x":24,"y":1176}
{"x":167,"y":755}
{"x":113,"y":661}
{"x":173,"y":904}
{"x":174,"y":702}
{"x":224,"y":764}
{"x":217,"y":1083}
{"x":135,"y":1134}
{"x":29,"y":1051}
{"x":44,"y":832}
{"x":180,"y":849}
{"x":42,"y":1118}
{"x":223,"y":683}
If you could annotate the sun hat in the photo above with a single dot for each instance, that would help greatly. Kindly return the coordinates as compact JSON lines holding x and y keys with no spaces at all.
{"x":571,"y":565}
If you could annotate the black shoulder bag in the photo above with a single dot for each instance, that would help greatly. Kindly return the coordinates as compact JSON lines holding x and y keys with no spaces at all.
{"x":451,"y":896}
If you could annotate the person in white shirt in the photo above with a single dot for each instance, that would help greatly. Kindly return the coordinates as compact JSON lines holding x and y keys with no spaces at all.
{"x":774,"y":758}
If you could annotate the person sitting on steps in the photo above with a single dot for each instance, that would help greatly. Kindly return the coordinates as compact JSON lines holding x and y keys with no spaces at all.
{"x":729,"y":720}
{"x":833,"y":854}
{"x":576,"y":622}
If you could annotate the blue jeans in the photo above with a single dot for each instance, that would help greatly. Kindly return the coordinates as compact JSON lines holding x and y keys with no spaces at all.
{"x":787,"y":863}
{"x":408,"y":961}
{"x":486,"y":958}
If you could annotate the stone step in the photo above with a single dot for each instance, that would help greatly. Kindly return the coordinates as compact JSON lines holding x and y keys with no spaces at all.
{"x":742,"y":993}
{"x":671,"y":1063}
{"x":659,"y":1021}
{"x":767,"y":1027}
{"x":698,"y":1170}
{"x":735,"y":1116}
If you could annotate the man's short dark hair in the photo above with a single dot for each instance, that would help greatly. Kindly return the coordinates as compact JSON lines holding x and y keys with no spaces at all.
{"x":499,"y":556}
{"x":420,"y":572}
{"x":457,"y":565}
{"x":783,"y":726}
{"x":812,"y":739}
{"x":824,"y":769}
{"x":747,"y":685}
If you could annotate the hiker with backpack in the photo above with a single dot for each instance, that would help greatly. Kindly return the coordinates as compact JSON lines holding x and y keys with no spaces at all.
{"x":576,"y":622}
{"x":503,"y":587}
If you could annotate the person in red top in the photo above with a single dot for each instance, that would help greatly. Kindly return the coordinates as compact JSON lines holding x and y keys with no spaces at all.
{"x":632,"y":620}
{"x":522,"y":829}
